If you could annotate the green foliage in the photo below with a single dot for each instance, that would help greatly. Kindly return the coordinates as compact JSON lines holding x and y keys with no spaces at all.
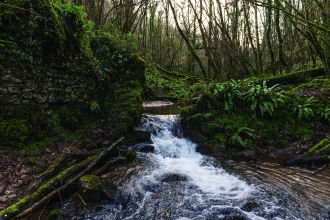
{"x":167,"y":86}
{"x":263,"y":98}
{"x":116,"y":62}
{"x":325,"y":114}
{"x":236,"y":138}
{"x":304,"y":110}
{"x":6,"y":43}
{"x":78,"y":10}
{"x":228,"y":92}
{"x":260,"y":97}
{"x":185,"y":95}
{"x":94,"y":106}
{"x":10,"y":8}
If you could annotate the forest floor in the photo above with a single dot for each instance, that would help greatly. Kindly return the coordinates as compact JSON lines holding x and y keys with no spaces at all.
{"x":18,"y":170}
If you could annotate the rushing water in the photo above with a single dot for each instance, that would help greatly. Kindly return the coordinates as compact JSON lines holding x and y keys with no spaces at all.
{"x":176,"y":182}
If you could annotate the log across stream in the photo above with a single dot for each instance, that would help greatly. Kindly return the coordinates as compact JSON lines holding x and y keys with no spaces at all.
{"x":171,"y":180}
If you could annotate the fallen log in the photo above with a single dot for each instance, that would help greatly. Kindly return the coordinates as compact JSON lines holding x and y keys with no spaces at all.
{"x":52,"y":187}
{"x":299,"y":161}
{"x":106,"y":166}
{"x":55,"y":168}
{"x":43,"y":190}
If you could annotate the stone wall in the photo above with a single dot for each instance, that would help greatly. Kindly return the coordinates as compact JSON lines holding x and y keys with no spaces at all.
{"x":51,"y":88}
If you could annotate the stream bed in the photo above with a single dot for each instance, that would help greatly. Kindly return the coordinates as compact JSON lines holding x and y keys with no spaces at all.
{"x":173,"y":181}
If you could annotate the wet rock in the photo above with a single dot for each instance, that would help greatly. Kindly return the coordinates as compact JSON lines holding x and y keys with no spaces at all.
{"x":54,"y":215}
{"x":89,"y":188}
{"x":129,"y":154}
{"x":172,"y":177}
{"x":243,"y":156}
{"x":141,"y":135}
{"x":250,"y":205}
{"x":280,"y":155}
{"x":147,"y":149}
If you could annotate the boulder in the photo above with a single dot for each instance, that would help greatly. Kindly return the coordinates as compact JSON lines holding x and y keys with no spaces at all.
{"x":173,"y":177}
{"x":147,"y":149}
{"x":141,"y":135}
{"x":54,"y":215}
{"x":89,"y":188}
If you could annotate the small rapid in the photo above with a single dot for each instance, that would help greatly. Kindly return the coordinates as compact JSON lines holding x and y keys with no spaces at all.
{"x":173,"y":181}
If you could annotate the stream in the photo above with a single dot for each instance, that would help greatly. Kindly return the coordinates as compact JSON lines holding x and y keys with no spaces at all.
{"x":176,"y":182}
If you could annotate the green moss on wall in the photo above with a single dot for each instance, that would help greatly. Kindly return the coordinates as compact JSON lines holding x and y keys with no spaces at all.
{"x":21,"y":124}
{"x":70,"y":116}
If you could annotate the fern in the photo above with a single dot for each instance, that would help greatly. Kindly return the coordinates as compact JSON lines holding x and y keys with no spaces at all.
{"x":304,"y":110}
{"x":263,"y":98}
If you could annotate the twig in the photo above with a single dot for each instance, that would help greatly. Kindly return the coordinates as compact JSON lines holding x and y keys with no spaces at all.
{"x":43,"y":210}
{"x":321,"y":169}
{"x":81,"y":199}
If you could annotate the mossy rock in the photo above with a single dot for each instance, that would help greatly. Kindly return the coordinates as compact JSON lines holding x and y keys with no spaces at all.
{"x":122,"y":107}
{"x":129,"y":154}
{"x":89,"y":188}
{"x":55,"y":215}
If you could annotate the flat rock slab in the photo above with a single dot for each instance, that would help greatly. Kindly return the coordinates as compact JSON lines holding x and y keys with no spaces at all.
{"x":156,"y":103}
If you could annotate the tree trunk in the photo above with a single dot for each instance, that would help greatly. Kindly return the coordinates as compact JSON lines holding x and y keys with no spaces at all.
{"x":184,"y":37}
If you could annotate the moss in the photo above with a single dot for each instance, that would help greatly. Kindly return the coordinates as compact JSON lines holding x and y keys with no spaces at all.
{"x":34,"y":160}
{"x":54,"y":215}
{"x":321,"y":148}
{"x":129,"y":154}
{"x":123,"y":106}
{"x":13,"y":133}
{"x":70,"y":116}
{"x":18,"y":125}
{"x":43,"y":189}
{"x":92,"y":179}
{"x":89,"y":188}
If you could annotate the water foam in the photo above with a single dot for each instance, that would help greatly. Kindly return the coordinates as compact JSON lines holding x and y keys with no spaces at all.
{"x":178,"y":155}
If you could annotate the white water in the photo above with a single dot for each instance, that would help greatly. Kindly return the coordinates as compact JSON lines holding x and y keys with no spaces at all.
{"x":178,"y":155}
